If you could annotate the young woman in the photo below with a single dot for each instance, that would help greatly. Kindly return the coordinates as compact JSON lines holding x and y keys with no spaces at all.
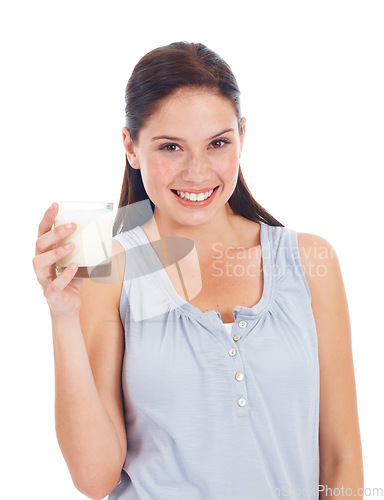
{"x":221,"y":373}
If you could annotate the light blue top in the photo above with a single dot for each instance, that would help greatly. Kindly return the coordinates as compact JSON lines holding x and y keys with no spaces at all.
{"x":209,"y":417}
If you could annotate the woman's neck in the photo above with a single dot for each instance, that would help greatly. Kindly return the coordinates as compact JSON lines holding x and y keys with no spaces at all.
{"x":223,"y":230}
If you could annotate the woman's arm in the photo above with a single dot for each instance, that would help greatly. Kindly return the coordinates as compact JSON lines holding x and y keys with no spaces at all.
{"x":341,"y":463}
{"x":88,"y":353}
{"x":88,"y":344}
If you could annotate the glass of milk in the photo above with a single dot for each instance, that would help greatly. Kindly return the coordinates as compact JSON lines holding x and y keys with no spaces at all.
{"x":92,"y":237}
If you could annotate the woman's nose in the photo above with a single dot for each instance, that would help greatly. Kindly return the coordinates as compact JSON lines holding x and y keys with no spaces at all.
{"x":197,"y":170}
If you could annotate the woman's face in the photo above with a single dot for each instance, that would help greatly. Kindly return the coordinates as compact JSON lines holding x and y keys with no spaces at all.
{"x":191,"y":145}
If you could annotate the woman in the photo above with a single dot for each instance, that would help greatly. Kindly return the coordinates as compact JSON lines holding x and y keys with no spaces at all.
{"x":166,"y":389}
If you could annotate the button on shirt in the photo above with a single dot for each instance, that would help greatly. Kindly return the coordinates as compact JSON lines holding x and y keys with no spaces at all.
{"x":212,"y":414}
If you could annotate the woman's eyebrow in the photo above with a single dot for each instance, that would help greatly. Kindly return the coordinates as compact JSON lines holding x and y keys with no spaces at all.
{"x":182,"y":140}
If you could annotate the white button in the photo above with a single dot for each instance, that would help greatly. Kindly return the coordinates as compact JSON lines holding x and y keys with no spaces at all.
{"x":241,"y":401}
{"x":232,"y":352}
{"x":237,"y":337}
{"x":243,"y":324}
{"x":239,"y":376}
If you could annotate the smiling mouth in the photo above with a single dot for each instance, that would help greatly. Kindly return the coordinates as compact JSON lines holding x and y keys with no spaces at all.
{"x":190,"y":196}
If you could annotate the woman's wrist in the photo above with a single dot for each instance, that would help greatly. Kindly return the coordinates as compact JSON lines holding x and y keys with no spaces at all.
{"x":62,"y":322}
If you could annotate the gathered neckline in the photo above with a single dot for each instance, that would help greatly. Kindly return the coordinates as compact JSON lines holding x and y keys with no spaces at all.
{"x":188,"y":308}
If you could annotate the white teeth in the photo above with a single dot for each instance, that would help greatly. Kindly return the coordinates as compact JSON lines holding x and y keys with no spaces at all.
{"x":193,"y":196}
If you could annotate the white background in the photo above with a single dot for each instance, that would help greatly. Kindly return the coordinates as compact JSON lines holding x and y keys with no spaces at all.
{"x":311,"y":76}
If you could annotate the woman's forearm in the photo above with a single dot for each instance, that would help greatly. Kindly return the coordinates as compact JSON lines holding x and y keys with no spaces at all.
{"x":87,"y":437}
{"x":343,"y":479}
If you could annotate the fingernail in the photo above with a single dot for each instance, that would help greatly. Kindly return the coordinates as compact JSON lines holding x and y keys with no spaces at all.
{"x":68,"y":245}
{"x":73,"y":266}
{"x":68,"y":226}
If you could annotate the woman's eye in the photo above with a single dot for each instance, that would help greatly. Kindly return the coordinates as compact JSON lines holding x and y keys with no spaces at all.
{"x":169,"y":147}
{"x":217,"y":143}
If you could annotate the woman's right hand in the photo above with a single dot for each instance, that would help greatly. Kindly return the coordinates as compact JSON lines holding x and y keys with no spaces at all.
{"x":63,"y":292}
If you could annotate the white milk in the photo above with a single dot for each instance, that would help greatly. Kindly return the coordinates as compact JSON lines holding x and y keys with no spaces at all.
{"x":92,"y":237}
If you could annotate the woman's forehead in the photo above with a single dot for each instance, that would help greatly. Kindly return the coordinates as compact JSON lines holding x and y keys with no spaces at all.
{"x":190,"y":106}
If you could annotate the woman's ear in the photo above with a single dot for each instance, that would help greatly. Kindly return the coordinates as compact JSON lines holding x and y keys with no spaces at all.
{"x":243,"y":121}
{"x":129,"y":148}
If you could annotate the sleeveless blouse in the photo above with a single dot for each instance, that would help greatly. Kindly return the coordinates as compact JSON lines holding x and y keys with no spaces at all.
{"x":215,"y":412}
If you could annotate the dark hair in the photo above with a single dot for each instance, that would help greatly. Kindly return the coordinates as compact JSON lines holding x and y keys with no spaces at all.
{"x":157,"y":75}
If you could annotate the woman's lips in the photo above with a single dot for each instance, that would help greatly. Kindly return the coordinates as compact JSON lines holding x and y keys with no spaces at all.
{"x":197,"y":204}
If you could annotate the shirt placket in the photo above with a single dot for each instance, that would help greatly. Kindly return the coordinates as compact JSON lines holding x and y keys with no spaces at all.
{"x":240,"y":327}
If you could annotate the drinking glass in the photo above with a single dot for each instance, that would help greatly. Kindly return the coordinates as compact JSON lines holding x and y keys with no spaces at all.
{"x":92,"y":237}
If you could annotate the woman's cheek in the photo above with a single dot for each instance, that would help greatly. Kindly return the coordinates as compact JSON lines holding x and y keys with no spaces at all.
{"x":157,"y":175}
{"x":229,"y":168}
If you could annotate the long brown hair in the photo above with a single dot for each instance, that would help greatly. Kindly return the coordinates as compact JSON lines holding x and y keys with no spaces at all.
{"x":157,"y":75}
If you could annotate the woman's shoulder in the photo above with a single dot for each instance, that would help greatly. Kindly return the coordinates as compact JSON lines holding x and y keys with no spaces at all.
{"x":127,"y":237}
{"x":322,"y":270}
{"x":315,"y":251}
